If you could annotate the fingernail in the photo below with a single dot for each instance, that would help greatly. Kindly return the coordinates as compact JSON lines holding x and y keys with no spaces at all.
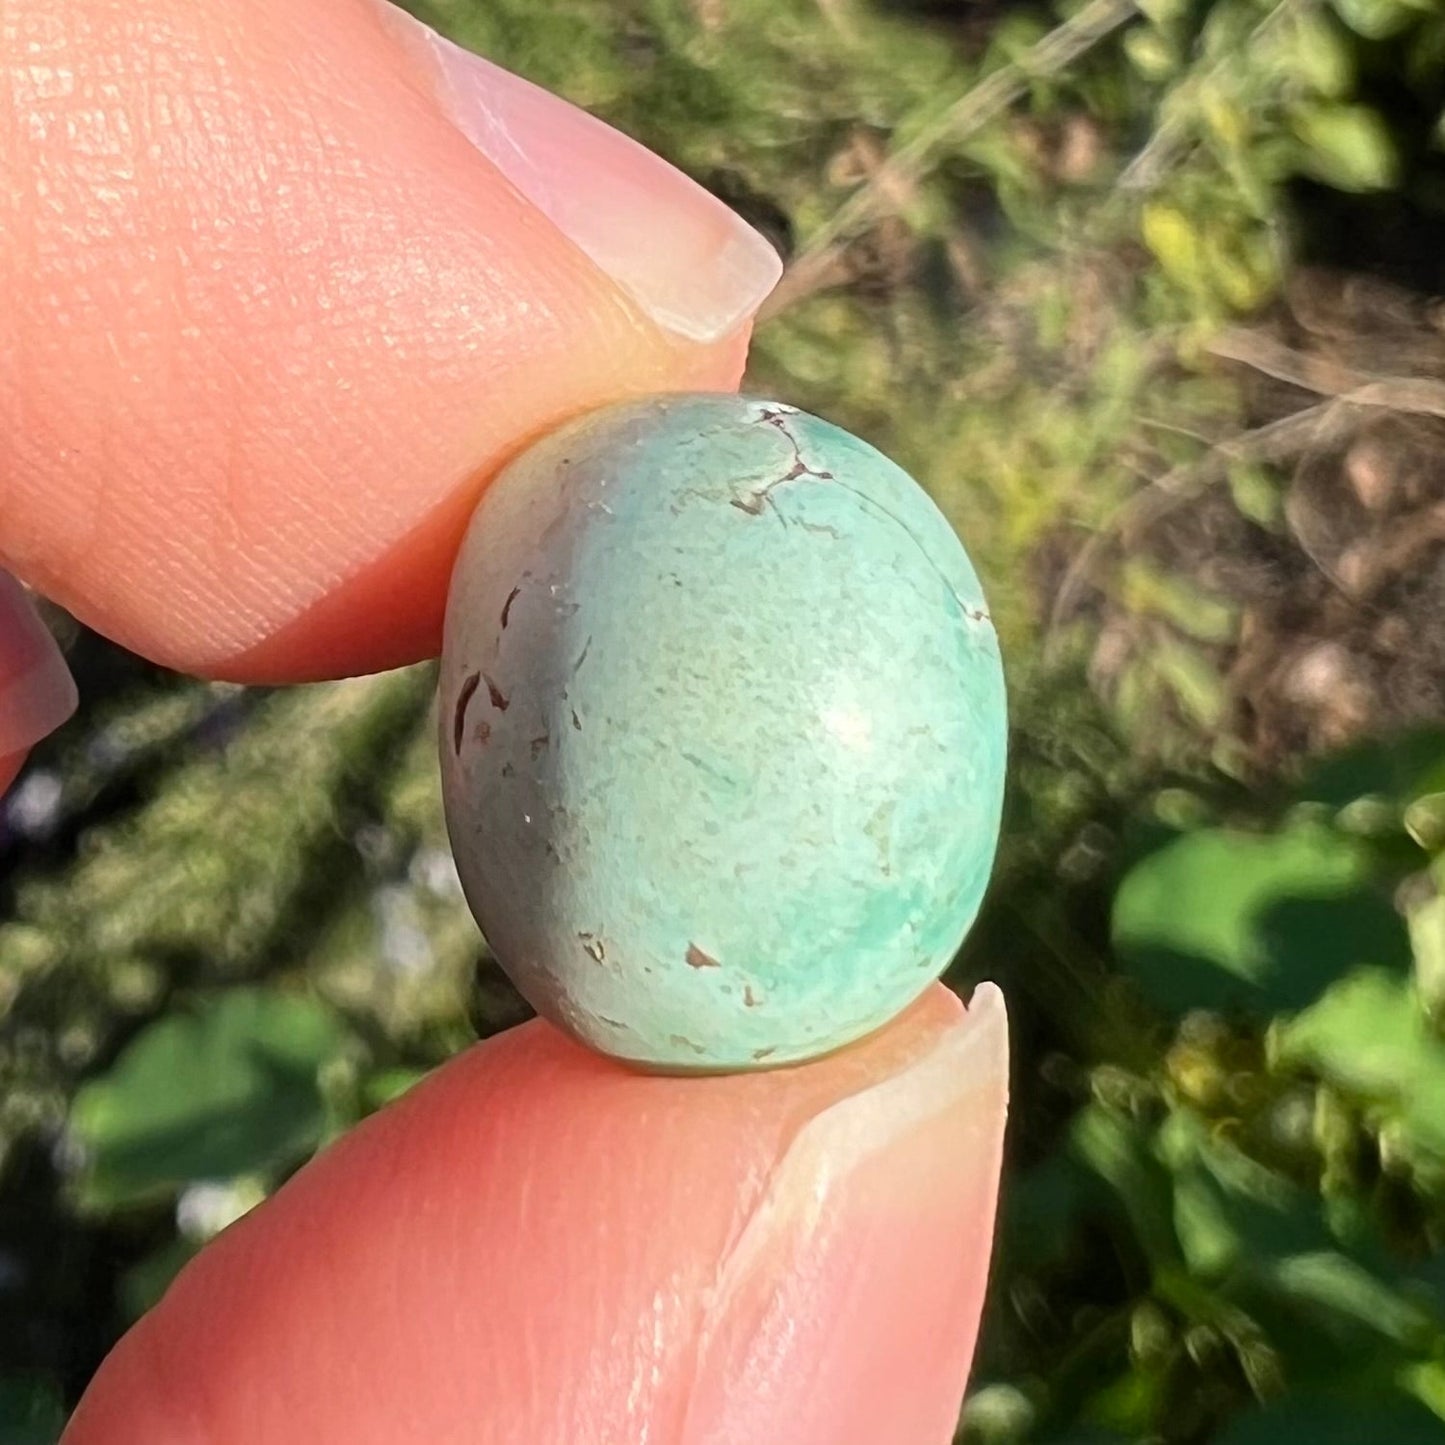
{"x":688,"y":260}
{"x":37,"y":692}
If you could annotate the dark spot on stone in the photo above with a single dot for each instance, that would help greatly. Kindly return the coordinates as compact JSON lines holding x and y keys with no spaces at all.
{"x":753,"y":503}
{"x":592,"y":946}
{"x":459,"y":717}
{"x":500,"y":700}
{"x":750,"y":999}
{"x":616,"y":1023}
{"x":508,"y":771}
{"x":823,"y":529}
{"x":685,"y":1043}
{"x":761,"y":1054}
{"x":696,"y":958}
{"x":576,"y":721}
{"x":539,"y":746}
{"x":483,"y":732}
{"x":586,"y":648}
{"x":507,"y":605}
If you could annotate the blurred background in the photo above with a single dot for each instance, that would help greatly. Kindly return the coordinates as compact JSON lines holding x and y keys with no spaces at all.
{"x":1144,"y":293}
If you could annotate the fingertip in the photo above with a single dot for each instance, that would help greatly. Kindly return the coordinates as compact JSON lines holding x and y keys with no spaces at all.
{"x":327,"y":316}
{"x":538,"y":1244}
{"x":10,"y":770}
{"x":869,"y":1254}
{"x":691,"y":263}
{"x":37,"y":691}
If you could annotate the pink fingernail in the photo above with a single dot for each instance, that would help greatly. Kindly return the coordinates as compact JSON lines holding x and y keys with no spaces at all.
{"x":696,"y":267}
{"x":37,"y":692}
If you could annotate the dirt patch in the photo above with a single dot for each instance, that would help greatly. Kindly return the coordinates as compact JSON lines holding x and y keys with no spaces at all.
{"x":1340,"y":594}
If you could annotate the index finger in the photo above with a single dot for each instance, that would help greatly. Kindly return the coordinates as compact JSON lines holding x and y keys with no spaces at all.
{"x":285,"y":283}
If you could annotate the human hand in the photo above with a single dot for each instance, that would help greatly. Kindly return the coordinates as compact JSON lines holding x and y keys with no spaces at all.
{"x":285,"y":282}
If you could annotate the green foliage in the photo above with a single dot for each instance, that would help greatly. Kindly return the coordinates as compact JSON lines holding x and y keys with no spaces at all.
{"x":1347,"y":146}
{"x":1266,"y":1163}
{"x":228,"y":1088}
{"x":31,"y":1412}
{"x":1370,"y":1036}
{"x":234,"y":928}
{"x":1223,"y":919}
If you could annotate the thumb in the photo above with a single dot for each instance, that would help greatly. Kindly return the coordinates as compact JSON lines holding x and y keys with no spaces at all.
{"x":284,"y":283}
{"x":537,"y":1245}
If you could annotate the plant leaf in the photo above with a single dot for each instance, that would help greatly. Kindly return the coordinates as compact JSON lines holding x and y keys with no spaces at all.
{"x":1220,"y":918}
{"x":225,"y":1088}
{"x":1370,"y":1036}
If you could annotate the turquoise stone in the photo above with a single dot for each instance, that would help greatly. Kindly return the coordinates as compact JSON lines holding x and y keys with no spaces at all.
{"x":722,"y":732}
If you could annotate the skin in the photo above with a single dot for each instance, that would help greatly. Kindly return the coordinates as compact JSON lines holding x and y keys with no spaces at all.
{"x":270,"y":325}
{"x":540,"y":1245}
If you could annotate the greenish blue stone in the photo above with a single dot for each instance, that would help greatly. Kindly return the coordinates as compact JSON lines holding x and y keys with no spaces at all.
{"x":722,"y":732}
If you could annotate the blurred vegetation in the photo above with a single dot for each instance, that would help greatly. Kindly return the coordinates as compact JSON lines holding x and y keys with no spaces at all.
{"x":1143,"y":294}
